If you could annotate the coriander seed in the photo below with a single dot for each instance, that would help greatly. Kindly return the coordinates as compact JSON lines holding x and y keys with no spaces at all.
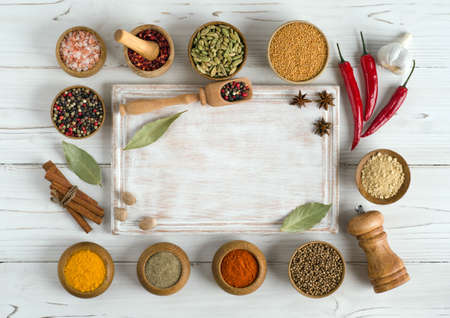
{"x":316,"y":269}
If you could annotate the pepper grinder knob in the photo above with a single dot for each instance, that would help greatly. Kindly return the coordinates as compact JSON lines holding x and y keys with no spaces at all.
{"x":386,"y":270}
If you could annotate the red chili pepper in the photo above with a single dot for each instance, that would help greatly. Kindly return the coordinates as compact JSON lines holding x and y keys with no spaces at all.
{"x":354,"y":97}
{"x":391,"y":108}
{"x":369,"y":68}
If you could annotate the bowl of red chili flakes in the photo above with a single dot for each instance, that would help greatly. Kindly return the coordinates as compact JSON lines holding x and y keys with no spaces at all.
{"x":157,"y":67}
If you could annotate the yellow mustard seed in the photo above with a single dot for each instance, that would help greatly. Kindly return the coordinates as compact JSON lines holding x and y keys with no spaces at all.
{"x":298,"y":51}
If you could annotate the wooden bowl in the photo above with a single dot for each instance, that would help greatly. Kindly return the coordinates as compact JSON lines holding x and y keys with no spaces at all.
{"x":164,"y":247}
{"x":290,"y":275}
{"x":239,"y":245}
{"x":78,"y":86}
{"x":403,"y":189}
{"x":97,"y":66}
{"x":160,"y":71}
{"x":240,"y":65}
{"x":100,"y":251}
{"x":272,"y":66}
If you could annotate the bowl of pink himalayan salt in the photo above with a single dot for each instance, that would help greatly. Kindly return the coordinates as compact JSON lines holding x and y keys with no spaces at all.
{"x":80,"y":51}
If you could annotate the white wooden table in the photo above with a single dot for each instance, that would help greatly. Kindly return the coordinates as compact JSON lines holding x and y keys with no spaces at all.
{"x":34,"y":231}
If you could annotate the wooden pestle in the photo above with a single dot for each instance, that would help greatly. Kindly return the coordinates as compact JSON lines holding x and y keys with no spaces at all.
{"x":148,"y":49}
{"x":210,"y":94}
{"x":386,"y":269}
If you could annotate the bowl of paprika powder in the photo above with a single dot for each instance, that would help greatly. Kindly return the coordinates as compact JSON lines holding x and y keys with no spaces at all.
{"x":144,"y":67}
{"x":239,"y":267}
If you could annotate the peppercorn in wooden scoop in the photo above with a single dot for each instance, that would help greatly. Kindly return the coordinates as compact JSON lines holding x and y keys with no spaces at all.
{"x":216,"y":94}
{"x":148,"y":49}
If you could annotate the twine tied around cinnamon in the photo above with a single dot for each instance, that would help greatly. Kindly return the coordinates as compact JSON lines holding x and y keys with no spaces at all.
{"x":70,"y":194}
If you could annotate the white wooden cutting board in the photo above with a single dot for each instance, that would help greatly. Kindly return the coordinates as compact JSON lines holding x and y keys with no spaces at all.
{"x":238,"y":168}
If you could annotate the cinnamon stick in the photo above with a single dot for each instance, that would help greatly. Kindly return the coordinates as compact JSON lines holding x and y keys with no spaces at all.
{"x":80,"y":210}
{"x":80,"y":220}
{"x":53,"y":176}
{"x":85,"y":212}
{"x":53,"y":173}
{"x":77,"y":199}
{"x":80,"y":205}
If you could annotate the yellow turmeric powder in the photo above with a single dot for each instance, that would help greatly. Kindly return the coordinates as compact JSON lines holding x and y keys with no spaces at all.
{"x":85,"y":271}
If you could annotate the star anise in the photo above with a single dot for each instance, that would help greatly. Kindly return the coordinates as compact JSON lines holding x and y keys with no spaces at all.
{"x":300,"y":100}
{"x":326,"y":99}
{"x":321,"y":127}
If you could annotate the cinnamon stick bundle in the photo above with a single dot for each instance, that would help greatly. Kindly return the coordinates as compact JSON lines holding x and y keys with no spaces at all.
{"x":76,"y":202}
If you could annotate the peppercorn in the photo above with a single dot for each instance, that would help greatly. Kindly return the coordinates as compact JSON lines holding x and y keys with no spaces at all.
{"x":164,"y":51}
{"x":233,"y":91}
{"x":82,"y":122}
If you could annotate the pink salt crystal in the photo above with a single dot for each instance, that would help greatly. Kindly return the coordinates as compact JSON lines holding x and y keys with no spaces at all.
{"x":80,"y":50}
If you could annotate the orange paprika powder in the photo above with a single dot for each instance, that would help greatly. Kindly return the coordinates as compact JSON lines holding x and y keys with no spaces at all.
{"x":239,"y":268}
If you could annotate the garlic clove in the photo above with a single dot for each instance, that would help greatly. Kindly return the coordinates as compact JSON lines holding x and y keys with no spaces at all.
{"x":395,"y":56}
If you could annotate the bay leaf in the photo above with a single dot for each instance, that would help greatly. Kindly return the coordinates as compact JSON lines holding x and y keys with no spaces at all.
{"x":150,"y":132}
{"x":304,"y":217}
{"x":82,"y":164}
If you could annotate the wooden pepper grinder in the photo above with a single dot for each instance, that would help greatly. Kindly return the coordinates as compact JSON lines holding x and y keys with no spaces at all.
{"x":386,"y":269}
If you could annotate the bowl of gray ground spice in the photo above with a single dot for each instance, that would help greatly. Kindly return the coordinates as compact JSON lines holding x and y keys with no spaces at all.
{"x":383,"y":176}
{"x":163,"y":269}
{"x":316,"y":269}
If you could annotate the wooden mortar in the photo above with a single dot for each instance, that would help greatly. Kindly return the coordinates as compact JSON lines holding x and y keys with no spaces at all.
{"x":160,"y":71}
{"x":386,"y":270}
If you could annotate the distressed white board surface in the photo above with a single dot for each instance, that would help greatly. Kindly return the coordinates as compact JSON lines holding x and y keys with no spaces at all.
{"x":239,"y":168}
{"x":34,"y":232}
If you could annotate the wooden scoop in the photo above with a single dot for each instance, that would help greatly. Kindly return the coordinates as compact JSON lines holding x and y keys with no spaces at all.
{"x":210,"y":94}
{"x":148,"y":49}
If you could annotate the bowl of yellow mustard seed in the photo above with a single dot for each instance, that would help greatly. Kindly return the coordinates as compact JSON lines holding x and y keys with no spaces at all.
{"x":383,"y":176}
{"x":298,"y":51}
{"x":86,"y":270}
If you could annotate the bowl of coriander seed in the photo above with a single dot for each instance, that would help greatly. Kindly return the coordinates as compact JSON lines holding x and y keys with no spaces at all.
{"x":316,"y":269}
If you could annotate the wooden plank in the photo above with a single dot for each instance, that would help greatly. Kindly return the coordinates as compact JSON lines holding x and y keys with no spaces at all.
{"x":34,"y":291}
{"x":26,"y":132}
{"x":381,"y":21}
{"x":226,"y":169}
{"x":34,"y":229}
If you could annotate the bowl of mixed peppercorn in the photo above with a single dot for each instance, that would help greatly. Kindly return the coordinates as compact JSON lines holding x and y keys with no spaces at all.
{"x":144,"y":67}
{"x":78,"y":112}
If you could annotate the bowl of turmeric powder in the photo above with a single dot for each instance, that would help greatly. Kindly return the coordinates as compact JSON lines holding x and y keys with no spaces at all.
{"x":239,"y":267}
{"x":85,"y":270}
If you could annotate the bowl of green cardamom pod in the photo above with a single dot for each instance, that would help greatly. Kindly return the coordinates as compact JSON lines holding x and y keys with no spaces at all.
{"x":217,"y":50}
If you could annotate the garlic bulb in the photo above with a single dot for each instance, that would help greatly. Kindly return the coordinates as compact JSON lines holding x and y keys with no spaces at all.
{"x":395,"y":56}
